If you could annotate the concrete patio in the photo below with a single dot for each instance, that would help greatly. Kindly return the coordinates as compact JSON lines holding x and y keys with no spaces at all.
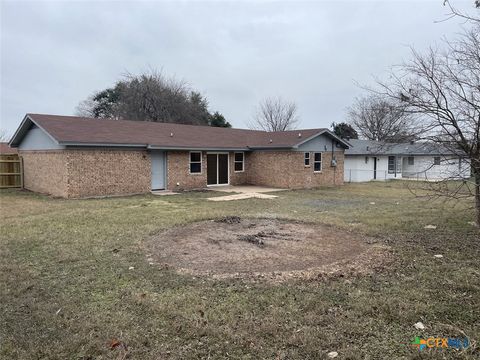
{"x":243,"y":192}
{"x":245,"y":189}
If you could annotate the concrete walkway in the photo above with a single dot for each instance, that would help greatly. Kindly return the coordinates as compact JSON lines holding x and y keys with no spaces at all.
{"x":243,"y":192}
{"x":163,"y":192}
{"x":244,"y":189}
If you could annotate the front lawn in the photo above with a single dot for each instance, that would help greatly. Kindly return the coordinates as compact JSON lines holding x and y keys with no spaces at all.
{"x":76,"y":282}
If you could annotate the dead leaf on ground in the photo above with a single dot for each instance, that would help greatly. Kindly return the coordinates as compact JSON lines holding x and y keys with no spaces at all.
{"x":114,"y":343}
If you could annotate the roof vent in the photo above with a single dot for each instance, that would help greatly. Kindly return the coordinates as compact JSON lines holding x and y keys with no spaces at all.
{"x":299,"y":135}
{"x":271,"y":141}
{"x":171,"y":134}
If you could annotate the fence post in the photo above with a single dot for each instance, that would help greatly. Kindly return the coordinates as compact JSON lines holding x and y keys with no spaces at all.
{"x":21,"y":171}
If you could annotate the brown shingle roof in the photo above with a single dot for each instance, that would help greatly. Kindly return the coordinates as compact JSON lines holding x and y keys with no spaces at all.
{"x":6,"y":149}
{"x":77,"y":130}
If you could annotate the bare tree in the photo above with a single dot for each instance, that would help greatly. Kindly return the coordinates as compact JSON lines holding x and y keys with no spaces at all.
{"x":442,"y":88}
{"x":275,"y":114}
{"x":381,"y":119}
{"x":86,"y":108}
{"x":455,"y":12}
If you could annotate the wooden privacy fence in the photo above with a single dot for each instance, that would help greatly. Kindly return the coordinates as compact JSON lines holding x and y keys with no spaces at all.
{"x":11,"y":171}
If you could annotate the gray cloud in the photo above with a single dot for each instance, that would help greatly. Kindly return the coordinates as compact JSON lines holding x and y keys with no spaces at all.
{"x":54,"y":54}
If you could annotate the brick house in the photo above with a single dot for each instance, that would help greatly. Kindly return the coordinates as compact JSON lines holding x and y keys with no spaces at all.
{"x":76,"y":157}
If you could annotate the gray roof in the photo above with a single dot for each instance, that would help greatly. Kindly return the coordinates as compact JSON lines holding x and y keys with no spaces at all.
{"x":370,"y":147}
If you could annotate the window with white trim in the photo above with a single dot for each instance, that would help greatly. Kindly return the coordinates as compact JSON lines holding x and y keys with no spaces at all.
{"x":306,"y":159}
{"x":317,"y":162}
{"x":411,"y":160}
{"x":195,"y":162}
{"x":239,"y":161}
{"x":391,"y":165}
{"x":436,"y":160}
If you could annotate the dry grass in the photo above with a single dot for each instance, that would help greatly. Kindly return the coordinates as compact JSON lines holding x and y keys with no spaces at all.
{"x":67,"y":291}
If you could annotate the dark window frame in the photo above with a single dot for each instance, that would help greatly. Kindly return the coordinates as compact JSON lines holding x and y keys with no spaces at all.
{"x":194,"y":163}
{"x":317,"y":162}
{"x":306,"y":159}
{"x":235,"y":161}
{"x":392,"y":164}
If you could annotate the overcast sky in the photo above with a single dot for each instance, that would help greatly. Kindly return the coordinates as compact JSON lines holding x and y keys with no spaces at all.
{"x":54,"y":54}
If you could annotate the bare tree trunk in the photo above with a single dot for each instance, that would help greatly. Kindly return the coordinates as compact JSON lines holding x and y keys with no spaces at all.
{"x":477,"y":195}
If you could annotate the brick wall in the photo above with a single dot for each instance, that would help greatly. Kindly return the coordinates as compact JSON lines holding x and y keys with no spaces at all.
{"x":269,"y":168}
{"x":238,"y":178}
{"x":285,"y":169}
{"x":108,"y":172}
{"x":83,"y":173}
{"x":45,"y":172}
{"x":178,"y":171}
{"x":102,"y":172}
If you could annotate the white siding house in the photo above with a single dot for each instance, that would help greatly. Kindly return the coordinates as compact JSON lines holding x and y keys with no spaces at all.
{"x":371,"y":160}
{"x":436,"y":167}
{"x":359,"y":168}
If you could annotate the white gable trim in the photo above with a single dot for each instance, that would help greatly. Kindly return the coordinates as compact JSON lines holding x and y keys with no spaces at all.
{"x":327,"y":132}
{"x":23,"y":129}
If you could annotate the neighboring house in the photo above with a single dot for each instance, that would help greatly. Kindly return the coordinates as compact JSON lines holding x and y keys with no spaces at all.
{"x":367,"y":160}
{"x":77,"y":157}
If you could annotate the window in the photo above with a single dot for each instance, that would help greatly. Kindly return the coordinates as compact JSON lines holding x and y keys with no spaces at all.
{"x":307,"y":159}
{"x":436,"y":160}
{"x":391,"y":164}
{"x":317,"y":162}
{"x":195,"y":162}
{"x":239,"y":159}
{"x":411,"y":160}
{"x":366,"y":159}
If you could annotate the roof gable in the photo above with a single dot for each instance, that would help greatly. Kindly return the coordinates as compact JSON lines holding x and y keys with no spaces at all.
{"x":318,"y":141}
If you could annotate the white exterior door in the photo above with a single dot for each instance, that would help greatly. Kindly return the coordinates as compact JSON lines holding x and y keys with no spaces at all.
{"x":158,"y":169}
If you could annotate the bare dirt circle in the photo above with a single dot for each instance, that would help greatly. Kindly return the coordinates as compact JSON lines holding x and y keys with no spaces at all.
{"x":235,"y":247}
